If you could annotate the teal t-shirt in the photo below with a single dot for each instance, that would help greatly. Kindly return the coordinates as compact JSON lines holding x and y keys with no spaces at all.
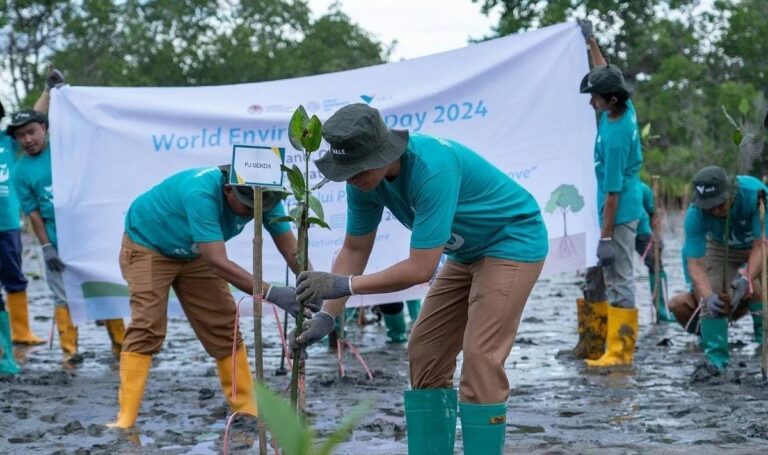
{"x":744,"y":227}
{"x":189,"y":208}
{"x":450,"y":196}
{"x":618,"y":158}
{"x":9,"y":201}
{"x":33,"y":180}
{"x":649,"y":206}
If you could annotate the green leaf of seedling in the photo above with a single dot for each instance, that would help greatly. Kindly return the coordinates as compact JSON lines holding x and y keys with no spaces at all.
{"x":737,"y":137}
{"x":296,"y":180}
{"x":296,"y":127}
{"x":282,"y":219}
{"x":646,"y":131}
{"x":346,"y":427}
{"x":313,"y":135}
{"x":744,"y":106}
{"x":730,"y":119}
{"x":292,"y":435}
{"x":316,"y":206}
{"x":318,"y":222}
{"x":296,"y":213}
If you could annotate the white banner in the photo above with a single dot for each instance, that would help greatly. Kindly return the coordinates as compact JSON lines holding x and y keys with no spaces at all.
{"x":514,"y":100}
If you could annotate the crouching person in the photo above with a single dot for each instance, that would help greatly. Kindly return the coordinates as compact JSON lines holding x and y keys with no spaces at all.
{"x":174,"y":238}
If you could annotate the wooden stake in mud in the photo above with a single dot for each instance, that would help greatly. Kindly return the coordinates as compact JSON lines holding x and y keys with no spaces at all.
{"x":764,"y":286}
{"x":258,"y":241}
{"x":657,"y":289}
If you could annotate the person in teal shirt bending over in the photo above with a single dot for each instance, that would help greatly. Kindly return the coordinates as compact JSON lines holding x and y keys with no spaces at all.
{"x":175,"y":236}
{"x":647,"y":231}
{"x":618,"y":159}
{"x":715,"y":194}
{"x":456,"y":202}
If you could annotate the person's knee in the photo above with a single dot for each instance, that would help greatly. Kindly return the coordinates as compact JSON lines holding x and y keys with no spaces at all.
{"x":142,"y":342}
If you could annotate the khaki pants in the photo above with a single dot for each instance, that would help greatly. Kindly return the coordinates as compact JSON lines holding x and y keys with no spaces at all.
{"x":684,"y":305}
{"x":473,"y":308}
{"x":204,"y":297}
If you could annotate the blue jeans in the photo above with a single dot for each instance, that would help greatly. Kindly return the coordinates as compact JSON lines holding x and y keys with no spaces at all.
{"x":11,"y":276}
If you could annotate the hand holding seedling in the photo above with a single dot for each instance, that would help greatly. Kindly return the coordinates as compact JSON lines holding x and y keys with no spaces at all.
{"x":285,"y":298}
{"x":313,"y":286}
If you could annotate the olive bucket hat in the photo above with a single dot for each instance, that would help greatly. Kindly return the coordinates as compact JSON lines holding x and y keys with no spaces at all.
{"x":270,"y":197}
{"x":711,"y":187}
{"x":359,"y":141}
{"x":605,"y":79}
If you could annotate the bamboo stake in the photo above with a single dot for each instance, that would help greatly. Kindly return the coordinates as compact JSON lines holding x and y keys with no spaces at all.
{"x":657,"y":292}
{"x":258,"y":241}
{"x":764,"y":286}
{"x":281,"y":371}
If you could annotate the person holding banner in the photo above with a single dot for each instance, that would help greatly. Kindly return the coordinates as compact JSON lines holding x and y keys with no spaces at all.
{"x":715,"y":195}
{"x":646,"y":232}
{"x":618,"y":159}
{"x":175,"y":236}
{"x":492,"y":231}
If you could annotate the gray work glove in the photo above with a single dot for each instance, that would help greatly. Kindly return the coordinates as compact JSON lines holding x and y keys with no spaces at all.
{"x":313,"y":330}
{"x":586,"y":28}
{"x":51,"y":257}
{"x":714,"y":305}
{"x":739,"y":288}
{"x":605,"y":252}
{"x":285,"y":298}
{"x":318,"y":286}
{"x":55,"y":79}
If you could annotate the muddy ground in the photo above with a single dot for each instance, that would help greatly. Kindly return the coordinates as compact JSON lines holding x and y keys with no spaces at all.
{"x":555,"y":405}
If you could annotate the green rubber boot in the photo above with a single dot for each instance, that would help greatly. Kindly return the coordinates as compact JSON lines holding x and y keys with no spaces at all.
{"x":8,"y":364}
{"x":714,"y":341}
{"x":430,"y":418}
{"x":661,"y":308}
{"x":414,"y":308}
{"x":482,"y":428}
{"x":395,"y":324}
{"x":756,"y":310}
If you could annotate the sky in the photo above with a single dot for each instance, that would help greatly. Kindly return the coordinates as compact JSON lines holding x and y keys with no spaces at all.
{"x":421,"y":27}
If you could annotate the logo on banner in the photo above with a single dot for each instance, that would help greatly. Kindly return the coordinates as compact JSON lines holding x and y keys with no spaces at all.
{"x":367,"y":98}
{"x":255,"y":109}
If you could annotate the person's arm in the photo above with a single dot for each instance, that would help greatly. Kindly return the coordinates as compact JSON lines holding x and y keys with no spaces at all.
{"x":43,"y":103}
{"x":698,"y":273}
{"x":55,"y":79}
{"x":38,"y":227}
{"x":609,"y":215}
{"x":351,"y":260}
{"x":215,"y":255}
{"x":595,"y":54}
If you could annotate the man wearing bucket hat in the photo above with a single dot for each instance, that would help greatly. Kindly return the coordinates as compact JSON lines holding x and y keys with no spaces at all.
{"x":175,"y":236}
{"x":715,"y":195}
{"x":492,"y":231}
{"x":618,"y":159}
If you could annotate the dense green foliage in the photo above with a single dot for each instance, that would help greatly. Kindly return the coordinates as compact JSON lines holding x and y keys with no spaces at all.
{"x":175,"y":42}
{"x":686,"y":58}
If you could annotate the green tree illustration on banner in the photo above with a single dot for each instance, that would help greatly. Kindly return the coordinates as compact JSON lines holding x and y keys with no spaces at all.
{"x":565,"y":198}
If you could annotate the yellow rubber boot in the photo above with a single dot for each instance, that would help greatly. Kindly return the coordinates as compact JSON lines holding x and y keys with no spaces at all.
{"x":18,"y":310}
{"x":116,"y":331}
{"x":592,"y":329}
{"x":134,"y":370}
{"x":621,"y":338}
{"x":244,"y":400}
{"x":67,"y":332}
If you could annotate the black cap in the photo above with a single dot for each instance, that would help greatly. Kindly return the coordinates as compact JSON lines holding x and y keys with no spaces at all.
{"x":23,"y":117}
{"x":605,"y":79}
{"x":711,"y":186}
